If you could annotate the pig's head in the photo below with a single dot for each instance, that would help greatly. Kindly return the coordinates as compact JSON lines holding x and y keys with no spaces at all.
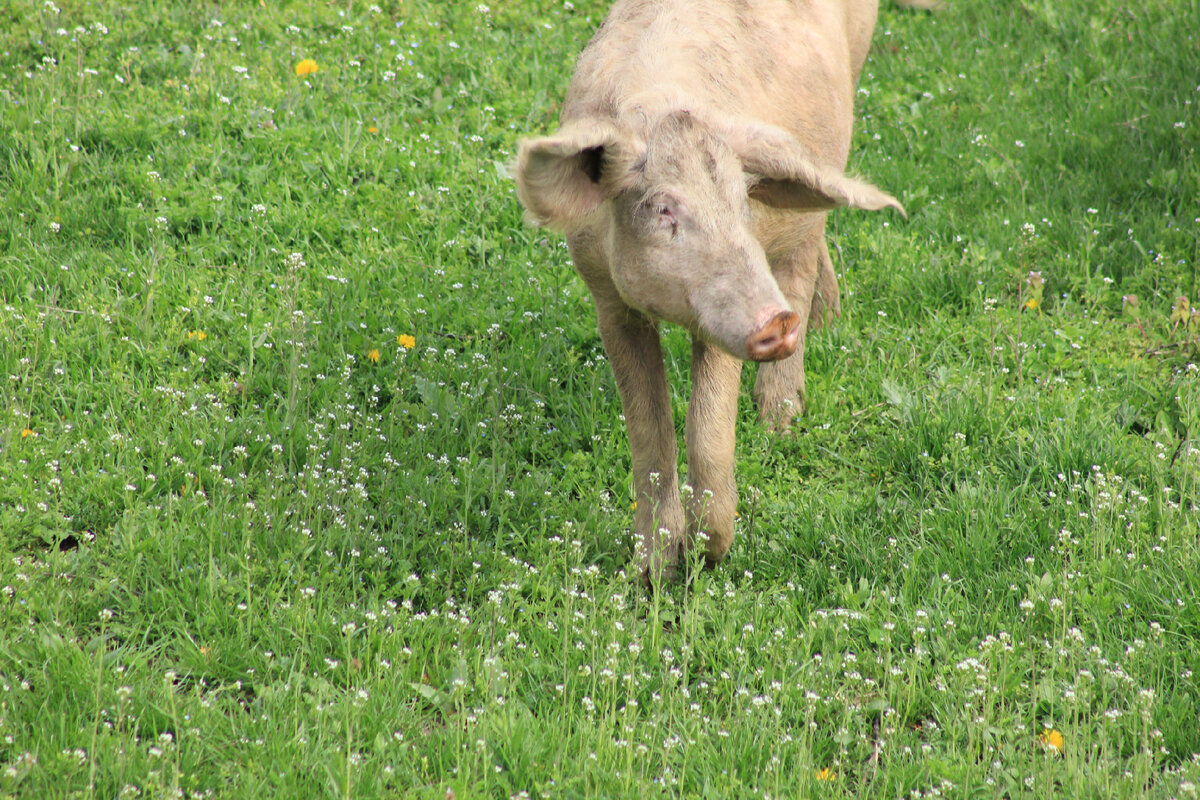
{"x":681,"y":239}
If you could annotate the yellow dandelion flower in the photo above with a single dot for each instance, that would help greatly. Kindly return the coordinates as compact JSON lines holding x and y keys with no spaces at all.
{"x":372,"y":129}
{"x":826,"y":774}
{"x":373,"y":356}
{"x":1052,"y":740}
{"x":26,"y":433}
{"x":306,"y":67}
{"x":406,"y":341}
{"x":1033,"y":303}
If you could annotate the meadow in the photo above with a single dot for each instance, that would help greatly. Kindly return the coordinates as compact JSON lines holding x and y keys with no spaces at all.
{"x":313,"y":479}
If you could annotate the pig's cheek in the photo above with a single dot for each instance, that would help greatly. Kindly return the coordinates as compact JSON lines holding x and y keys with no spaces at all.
{"x":670,"y":295}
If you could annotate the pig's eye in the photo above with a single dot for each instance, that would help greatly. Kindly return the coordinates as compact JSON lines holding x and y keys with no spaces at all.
{"x":665,"y":217}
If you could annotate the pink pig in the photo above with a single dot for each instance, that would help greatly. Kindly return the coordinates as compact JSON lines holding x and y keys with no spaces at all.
{"x":700,"y":147}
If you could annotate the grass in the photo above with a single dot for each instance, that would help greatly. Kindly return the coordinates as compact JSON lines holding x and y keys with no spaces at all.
{"x":313,"y":481}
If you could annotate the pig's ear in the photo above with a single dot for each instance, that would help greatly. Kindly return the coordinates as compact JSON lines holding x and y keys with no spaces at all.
{"x":784,"y":174}
{"x":563,"y":178}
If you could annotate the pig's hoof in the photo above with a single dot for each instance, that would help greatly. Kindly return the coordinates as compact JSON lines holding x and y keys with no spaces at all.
{"x":714,"y":556}
{"x":780,"y":415}
{"x":659,"y":569}
{"x":653,"y":577}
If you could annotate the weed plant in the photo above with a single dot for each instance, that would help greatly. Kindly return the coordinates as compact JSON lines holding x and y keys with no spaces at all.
{"x":313,"y":479}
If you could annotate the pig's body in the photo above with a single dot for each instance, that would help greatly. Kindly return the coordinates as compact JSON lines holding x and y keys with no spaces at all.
{"x":701,"y":145}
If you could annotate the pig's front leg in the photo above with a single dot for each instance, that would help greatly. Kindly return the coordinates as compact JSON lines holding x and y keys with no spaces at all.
{"x":711,"y":426}
{"x":632,"y":344}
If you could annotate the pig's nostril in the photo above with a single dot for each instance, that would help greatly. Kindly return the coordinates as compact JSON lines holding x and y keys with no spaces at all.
{"x":776,"y":339}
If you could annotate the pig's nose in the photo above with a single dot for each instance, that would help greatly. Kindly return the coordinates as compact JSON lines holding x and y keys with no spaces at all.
{"x":776,"y":339}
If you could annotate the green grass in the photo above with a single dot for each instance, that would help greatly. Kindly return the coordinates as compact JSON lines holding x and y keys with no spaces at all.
{"x":258,"y":543}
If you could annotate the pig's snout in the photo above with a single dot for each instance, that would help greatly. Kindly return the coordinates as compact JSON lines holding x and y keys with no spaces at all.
{"x":775,"y":340}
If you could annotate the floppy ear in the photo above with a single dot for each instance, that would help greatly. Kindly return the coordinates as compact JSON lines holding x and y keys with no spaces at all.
{"x":563,"y":178}
{"x":786,"y":175}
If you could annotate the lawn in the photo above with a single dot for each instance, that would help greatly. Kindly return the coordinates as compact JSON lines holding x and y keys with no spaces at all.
{"x":313,"y":479}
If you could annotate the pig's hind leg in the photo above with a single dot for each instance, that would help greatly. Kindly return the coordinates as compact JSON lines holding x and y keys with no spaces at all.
{"x":808,"y":282}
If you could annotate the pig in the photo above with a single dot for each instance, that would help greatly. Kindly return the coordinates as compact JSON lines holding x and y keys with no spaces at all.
{"x":700,"y":147}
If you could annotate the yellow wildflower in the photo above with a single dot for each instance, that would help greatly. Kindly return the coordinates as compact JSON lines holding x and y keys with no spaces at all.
{"x":1036,"y":285}
{"x":373,"y":356}
{"x":372,"y":129}
{"x":306,"y":67}
{"x":406,"y":341}
{"x":1052,"y":740}
{"x":199,"y":336}
{"x":826,"y":774}
{"x":26,"y":433}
